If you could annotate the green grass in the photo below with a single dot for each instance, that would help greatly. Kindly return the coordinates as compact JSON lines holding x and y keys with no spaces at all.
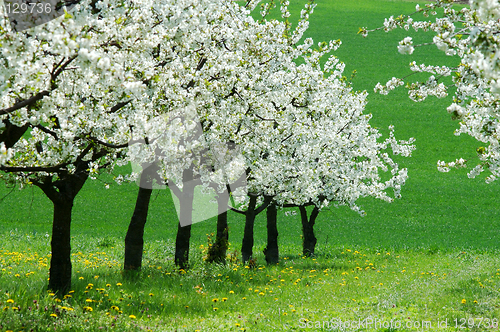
{"x":344,"y":284}
{"x":440,"y":216}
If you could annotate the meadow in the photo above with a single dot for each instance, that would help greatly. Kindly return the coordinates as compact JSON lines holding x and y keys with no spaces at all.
{"x":429,"y":258}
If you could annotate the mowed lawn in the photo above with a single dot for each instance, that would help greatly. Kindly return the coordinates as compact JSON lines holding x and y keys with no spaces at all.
{"x":431,"y":256}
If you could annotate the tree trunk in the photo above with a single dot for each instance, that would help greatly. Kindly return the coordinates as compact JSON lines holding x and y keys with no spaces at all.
{"x":134,"y":240}
{"x":217,"y":252}
{"x":308,"y":238}
{"x":60,"y":261}
{"x":182,"y":246}
{"x":62,"y":193}
{"x":185,"y":221}
{"x":271,"y":251}
{"x":247,"y":244}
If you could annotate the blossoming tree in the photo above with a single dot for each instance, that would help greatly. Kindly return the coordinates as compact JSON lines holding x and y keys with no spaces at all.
{"x":78,"y":91}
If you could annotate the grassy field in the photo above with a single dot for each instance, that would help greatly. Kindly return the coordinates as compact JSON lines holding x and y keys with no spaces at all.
{"x":431,"y":256}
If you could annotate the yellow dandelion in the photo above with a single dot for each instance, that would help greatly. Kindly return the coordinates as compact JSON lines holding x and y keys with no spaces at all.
{"x":151,"y":294}
{"x":10,"y":301}
{"x":261,"y":293}
{"x":88,"y":308}
{"x":464,"y":301}
{"x":224,"y":299}
{"x":53,"y":315}
{"x":215,"y":309}
{"x":237,"y":324}
{"x":215,"y":300}
{"x":108,"y":285}
{"x":132,"y":317}
{"x":244,"y":298}
{"x":119,"y":284}
{"x":88,"y":300}
{"x":475,"y":301}
{"x":231,"y":292}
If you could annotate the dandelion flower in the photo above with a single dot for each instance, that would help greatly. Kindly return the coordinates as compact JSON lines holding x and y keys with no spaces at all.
{"x":10,"y":301}
{"x":132,"y":317}
{"x":215,"y":300}
{"x":231,"y":292}
{"x":119,"y":284}
{"x":53,"y":315}
{"x":464,"y":301}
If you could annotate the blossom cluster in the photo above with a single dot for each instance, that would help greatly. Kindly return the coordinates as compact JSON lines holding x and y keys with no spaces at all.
{"x":113,"y":82}
{"x":471,"y":32}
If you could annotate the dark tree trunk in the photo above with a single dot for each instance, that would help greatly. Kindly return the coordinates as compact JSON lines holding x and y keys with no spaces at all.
{"x":134,"y":240}
{"x":308,"y":238}
{"x":217,"y":252}
{"x":185,"y":221}
{"x":182,"y":246}
{"x":62,"y":193}
{"x":247,"y":244}
{"x":271,"y":251}
{"x":60,"y":262}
